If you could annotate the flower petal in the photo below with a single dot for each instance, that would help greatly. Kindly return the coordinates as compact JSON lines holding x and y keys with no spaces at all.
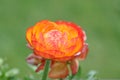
{"x":29,"y":35}
{"x":33,"y":59}
{"x":40,"y":67}
{"x":84,"y":52}
{"x":73,"y":29}
{"x":58,"y":70}
{"x":74,"y":66}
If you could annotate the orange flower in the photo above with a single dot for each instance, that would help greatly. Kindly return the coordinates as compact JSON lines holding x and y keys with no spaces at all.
{"x":58,"y":41}
{"x":62,"y":42}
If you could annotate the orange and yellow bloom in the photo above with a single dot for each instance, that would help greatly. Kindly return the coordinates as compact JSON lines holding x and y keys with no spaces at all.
{"x":61,"y":42}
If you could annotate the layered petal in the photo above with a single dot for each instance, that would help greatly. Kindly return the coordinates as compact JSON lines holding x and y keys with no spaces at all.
{"x":55,"y":40}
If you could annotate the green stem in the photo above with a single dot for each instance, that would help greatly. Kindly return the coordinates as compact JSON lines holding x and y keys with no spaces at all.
{"x":46,"y":69}
{"x":71,"y":76}
{"x":70,"y":72}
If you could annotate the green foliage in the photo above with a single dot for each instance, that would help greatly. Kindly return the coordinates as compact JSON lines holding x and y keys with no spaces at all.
{"x":6,"y":73}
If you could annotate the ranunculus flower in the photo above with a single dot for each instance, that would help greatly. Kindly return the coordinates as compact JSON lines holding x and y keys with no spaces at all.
{"x":61,"y":42}
{"x":56,"y":40}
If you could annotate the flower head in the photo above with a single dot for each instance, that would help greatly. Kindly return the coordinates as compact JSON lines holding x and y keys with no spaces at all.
{"x":55,"y":40}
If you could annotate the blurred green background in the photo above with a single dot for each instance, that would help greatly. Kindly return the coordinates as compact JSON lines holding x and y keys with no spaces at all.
{"x":99,"y":18}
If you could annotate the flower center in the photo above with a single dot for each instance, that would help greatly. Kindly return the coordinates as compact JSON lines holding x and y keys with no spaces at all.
{"x":53,"y":38}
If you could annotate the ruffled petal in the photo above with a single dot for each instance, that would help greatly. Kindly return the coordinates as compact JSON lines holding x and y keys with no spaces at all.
{"x":29,"y":35}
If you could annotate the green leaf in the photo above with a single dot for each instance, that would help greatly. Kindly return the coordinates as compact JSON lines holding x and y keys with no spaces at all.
{"x":92,"y":75}
{"x":12,"y":72}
